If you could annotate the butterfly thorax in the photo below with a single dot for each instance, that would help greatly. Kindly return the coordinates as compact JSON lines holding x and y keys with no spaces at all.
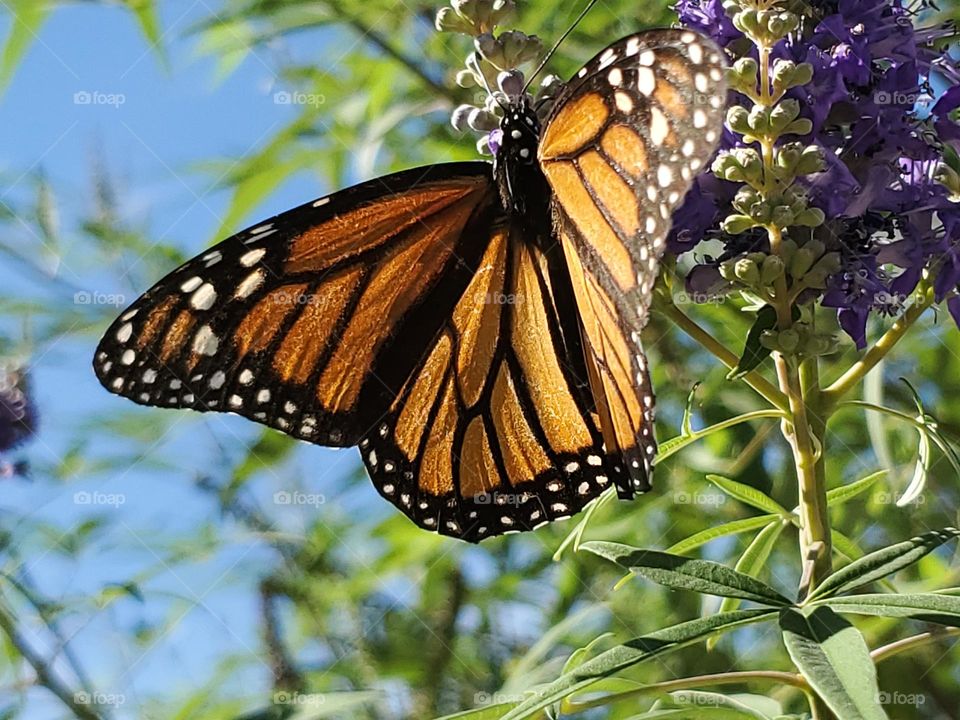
{"x":523,"y":187}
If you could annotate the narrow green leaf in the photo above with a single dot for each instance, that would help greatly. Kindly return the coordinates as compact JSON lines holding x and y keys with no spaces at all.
{"x":845,"y":545}
{"x":730,"y":528}
{"x":682,"y":573}
{"x":746,"y":708}
{"x":149,"y":22}
{"x":882,"y":563}
{"x":678,"y":443}
{"x":27,"y":16}
{"x":928,"y":607}
{"x":487,"y":712}
{"x":832,"y":655}
{"x":753,"y":352}
{"x":686,"y":425}
{"x":845,"y":493}
{"x":752,"y":561}
{"x":632,"y":653}
{"x":749,"y":495}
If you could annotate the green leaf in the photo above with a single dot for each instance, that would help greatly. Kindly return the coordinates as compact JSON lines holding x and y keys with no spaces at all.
{"x":678,"y":443}
{"x":752,"y":561}
{"x":711,"y":704}
{"x":845,"y":493}
{"x":710,"y":534}
{"x":753,"y":352}
{"x":632,"y":653}
{"x":749,"y":495}
{"x":488,"y":712}
{"x":682,"y":573}
{"x":27,"y":18}
{"x":880,"y":564}
{"x":146,"y":14}
{"x":833,"y":656}
{"x":845,"y":545}
{"x":928,"y":607}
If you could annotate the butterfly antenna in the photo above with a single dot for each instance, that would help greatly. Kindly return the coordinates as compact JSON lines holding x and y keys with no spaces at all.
{"x":556,"y":45}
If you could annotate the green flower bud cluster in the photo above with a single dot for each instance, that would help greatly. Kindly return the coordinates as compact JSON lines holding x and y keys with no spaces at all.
{"x":492,"y":68}
{"x":801,"y":339}
{"x":804,"y":267}
{"x":474,"y":17}
{"x":768,"y":169}
{"x":762,"y":24}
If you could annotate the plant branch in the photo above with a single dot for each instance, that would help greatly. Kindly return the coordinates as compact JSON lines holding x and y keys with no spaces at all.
{"x":846,"y":382}
{"x":46,"y":677}
{"x":731,"y":678}
{"x":710,"y":343}
{"x":911,"y":643}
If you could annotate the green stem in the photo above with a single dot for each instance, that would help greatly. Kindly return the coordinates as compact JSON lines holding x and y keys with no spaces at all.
{"x":690,"y":683}
{"x":911,"y":643}
{"x":852,"y":377}
{"x":753,"y":379}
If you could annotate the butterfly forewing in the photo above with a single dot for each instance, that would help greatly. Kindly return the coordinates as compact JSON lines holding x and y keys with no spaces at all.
{"x":620,"y":150}
{"x":311,"y":321}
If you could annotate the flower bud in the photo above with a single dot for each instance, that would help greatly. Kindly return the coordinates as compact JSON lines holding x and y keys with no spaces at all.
{"x":738,"y":120}
{"x":747,"y":271}
{"x":737,"y":224}
{"x":771,"y":269}
{"x":788,"y":248}
{"x":802,"y":261}
{"x":759,"y":121}
{"x":783,"y":115}
{"x":480,"y":120}
{"x":449,"y":20}
{"x":466,"y":79}
{"x":803,"y":126}
{"x":811,"y":161}
{"x":788,"y":340}
{"x":811,"y":217}
{"x":460,"y":117}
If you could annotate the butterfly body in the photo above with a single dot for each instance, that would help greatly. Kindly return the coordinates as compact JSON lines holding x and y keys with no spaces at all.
{"x":473,"y":327}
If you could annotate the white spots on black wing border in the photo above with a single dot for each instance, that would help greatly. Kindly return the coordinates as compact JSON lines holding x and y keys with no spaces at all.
{"x":562,"y":492}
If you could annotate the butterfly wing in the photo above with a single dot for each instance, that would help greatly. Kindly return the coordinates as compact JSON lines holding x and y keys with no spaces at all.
{"x":405,"y":315}
{"x":493,"y":431}
{"x":312,"y":321}
{"x":620,"y":150}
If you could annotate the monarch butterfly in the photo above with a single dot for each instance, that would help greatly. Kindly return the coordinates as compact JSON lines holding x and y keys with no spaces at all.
{"x":473,"y":327}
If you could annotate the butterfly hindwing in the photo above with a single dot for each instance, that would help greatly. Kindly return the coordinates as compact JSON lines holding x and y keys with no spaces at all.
{"x":493,"y":433}
{"x":621,"y":148}
{"x":308,"y":322}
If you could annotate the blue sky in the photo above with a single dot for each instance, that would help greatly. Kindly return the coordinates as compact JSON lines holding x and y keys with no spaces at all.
{"x":91,"y":91}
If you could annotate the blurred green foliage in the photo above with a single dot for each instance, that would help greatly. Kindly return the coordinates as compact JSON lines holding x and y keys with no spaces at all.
{"x":364,"y":613}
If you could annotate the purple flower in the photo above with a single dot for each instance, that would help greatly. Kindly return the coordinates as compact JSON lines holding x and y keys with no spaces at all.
{"x":17,"y":416}
{"x":887,"y":215}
